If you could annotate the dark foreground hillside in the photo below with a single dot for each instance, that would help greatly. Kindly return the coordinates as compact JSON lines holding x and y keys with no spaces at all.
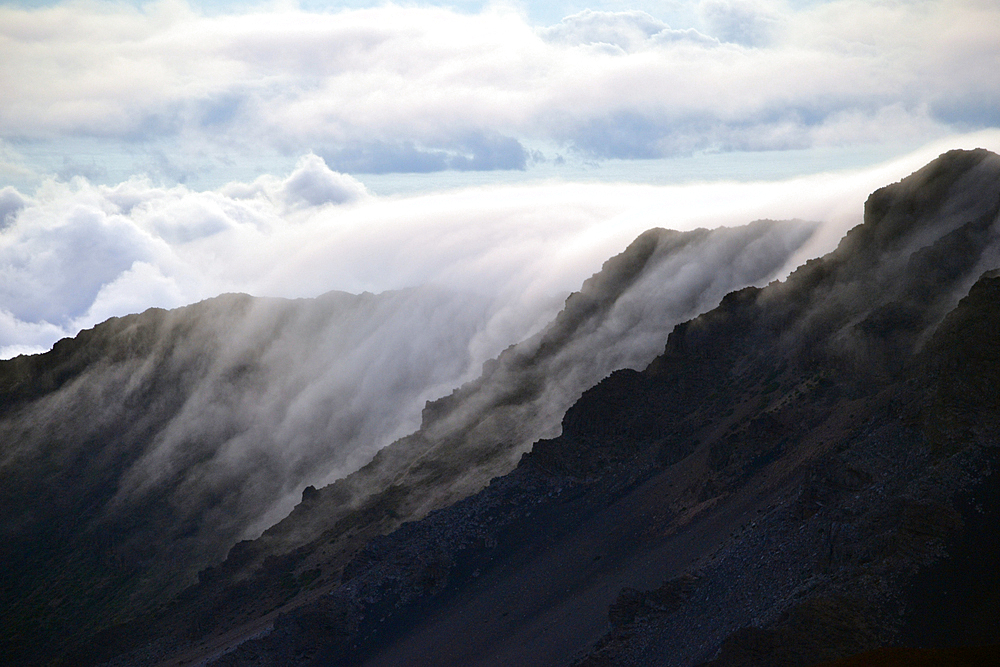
{"x":806,"y":473}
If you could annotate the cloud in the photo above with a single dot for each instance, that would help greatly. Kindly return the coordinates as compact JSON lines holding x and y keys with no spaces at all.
{"x":295,"y":393}
{"x":76,"y":253}
{"x":746,"y":22}
{"x":490,"y":151}
{"x":133,"y":291}
{"x":20,"y":337}
{"x":91,"y":171}
{"x":625,"y":135}
{"x":313,"y":184}
{"x":479,"y":151}
{"x":223,"y":411}
{"x":56,"y":258}
{"x":285,"y":394}
{"x":383,"y":157}
{"x":618,"y":319}
{"x":393,"y":88}
{"x":627,"y":31}
{"x":11,"y":203}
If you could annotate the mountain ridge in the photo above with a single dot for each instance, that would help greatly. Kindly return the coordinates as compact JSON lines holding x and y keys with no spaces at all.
{"x":805,"y":428}
{"x":780,"y":482}
{"x":107,"y":470}
{"x":136,"y":454}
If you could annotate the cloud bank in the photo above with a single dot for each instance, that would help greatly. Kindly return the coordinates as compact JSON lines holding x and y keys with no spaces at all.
{"x":425,"y":88}
{"x":74,"y":254}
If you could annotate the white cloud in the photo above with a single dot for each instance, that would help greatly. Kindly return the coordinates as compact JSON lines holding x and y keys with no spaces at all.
{"x":139,"y":287}
{"x":311,"y":184}
{"x":626,"y":31}
{"x":20,"y":337}
{"x":409,"y":88}
{"x":747,"y":22}
{"x":11,"y":203}
{"x":78,"y":253}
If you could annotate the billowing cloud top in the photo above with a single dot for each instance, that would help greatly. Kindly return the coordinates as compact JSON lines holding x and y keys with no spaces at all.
{"x":311,"y":184}
{"x":74,"y":254}
{"x":425,"y":88}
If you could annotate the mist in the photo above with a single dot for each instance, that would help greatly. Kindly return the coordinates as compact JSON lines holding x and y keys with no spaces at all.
{"x":74,"y":253}
{"x":619,"y":319}
{"x":209,"y":420}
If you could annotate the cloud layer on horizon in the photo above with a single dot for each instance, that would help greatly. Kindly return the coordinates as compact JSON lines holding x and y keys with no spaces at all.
{"x":425,"y":88}
{"x":74,"y":254}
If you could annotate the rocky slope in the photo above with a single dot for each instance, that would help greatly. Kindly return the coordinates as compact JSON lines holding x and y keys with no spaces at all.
{"x":803,"y":474}
{"x":138,"y":453}
{"x":617,"y":320}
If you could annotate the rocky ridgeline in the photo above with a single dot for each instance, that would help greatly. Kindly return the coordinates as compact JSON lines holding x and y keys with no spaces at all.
{"x":138,"y":452}
{"x":616,"y":320}
{"x":134,"y":456}
{"x":799,"y":476}
{"x":773,"y":489}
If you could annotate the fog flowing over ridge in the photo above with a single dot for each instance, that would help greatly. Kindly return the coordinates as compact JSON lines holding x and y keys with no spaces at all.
{"x":775,"y":482}
{"x":211,"y":416}
{"x":73,"y":254}
{"x":156,"y":441}
{"x":771,"y":489}
{"x":615,"y":321}
{"x":248,"y":400}
{"x":141,"y":450}
{"x":316,"y":314}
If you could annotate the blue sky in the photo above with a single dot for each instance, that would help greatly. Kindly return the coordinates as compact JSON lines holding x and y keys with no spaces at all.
{"x":158,"y":153}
